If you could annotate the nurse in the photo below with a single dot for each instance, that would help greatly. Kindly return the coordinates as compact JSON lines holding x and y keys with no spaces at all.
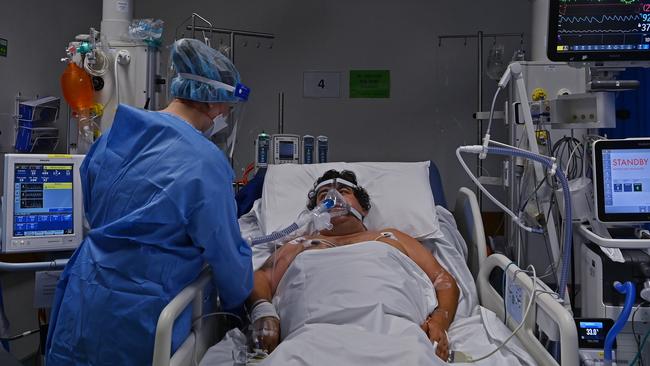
{"x":159,"y":201}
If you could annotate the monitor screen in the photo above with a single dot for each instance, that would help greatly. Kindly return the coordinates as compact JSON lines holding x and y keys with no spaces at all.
{"x":43,"y":200}
{"x":623,"y":180}
{"x":603,"y":30}
{"x":286,"y":150}
{"x":592,"y":332}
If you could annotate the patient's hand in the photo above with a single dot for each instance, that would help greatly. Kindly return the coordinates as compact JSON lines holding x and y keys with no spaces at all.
{"x":266,"y":333}
{"x":436,"y":333}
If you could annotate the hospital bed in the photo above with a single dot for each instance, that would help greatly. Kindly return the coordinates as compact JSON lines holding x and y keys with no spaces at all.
{"x":548,"y":320}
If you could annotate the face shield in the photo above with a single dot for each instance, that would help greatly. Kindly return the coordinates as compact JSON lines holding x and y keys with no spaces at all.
{"x":229,"y":122}
{"x":203,"y":74}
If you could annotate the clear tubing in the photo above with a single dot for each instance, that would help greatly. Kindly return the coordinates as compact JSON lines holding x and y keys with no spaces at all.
{"x":276,"y":235}
{"x":487,"y":193}
{"x":630,"y":294}
{"x":320,"y":215}
{"x":568,"y":228}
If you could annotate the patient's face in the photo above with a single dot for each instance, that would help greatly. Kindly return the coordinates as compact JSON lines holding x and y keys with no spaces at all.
{"x":348,"y":195}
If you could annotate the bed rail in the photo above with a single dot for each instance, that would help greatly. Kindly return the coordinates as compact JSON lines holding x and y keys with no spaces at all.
{"x":547,"y":314}
{"x":470,"y":225}
{"x":196,"y":341}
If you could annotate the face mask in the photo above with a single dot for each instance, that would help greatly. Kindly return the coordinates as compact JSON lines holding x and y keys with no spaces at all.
{"x":218,"y":124}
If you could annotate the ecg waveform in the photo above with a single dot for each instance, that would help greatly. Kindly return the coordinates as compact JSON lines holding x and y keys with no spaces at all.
{"x":601,"y":19}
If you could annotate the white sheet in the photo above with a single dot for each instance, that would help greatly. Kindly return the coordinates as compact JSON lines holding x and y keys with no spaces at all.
{"x":367,"y":285}
{"x":475,"y":330}
{"x":450,"y":250}
{"x":362,"y":305}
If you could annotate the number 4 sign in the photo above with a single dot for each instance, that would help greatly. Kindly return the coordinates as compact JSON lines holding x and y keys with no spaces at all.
{"x":318,"y":84}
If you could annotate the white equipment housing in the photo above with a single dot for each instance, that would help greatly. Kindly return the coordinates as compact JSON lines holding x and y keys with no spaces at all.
{"x":286,"y":149}
{"x":40,"y":226}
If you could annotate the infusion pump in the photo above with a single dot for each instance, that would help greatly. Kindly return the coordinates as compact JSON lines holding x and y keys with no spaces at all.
{"x":290,"y":149}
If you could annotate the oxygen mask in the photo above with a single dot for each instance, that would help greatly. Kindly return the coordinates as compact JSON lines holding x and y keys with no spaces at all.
{"x":334,"y":203}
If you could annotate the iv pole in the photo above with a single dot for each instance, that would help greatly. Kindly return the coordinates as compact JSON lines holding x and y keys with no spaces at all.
{"x":480,"y":36}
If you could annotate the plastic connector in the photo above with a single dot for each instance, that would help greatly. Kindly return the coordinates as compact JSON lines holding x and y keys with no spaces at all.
{"x":322,"y":221}
{"x":474,"y":149}
{"x":505,"y":79}
{"x":486,"y":141}
{"x":553,"y":168}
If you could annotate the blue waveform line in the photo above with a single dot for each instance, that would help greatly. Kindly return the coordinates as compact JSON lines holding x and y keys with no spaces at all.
{"x":603,"y":18}
{"x":599,"y":31}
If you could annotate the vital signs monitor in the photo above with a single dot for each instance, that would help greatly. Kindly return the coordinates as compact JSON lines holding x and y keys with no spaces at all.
{"x":622,"y":180}
{"x":42,"y":203}
{"x":604,"y":30}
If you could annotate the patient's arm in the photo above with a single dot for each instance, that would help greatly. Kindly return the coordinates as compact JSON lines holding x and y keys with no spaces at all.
{"x":447,"y":292}
{"x":267,"y":278}
{"x":266,"y":327}
{"x":444,"y":283}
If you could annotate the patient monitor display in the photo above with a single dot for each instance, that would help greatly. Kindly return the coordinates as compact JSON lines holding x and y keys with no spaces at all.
{"x":603,"y":30}
{"x":42,"y":203}
{"x":42,"y":200}
{"x":622,"y":184}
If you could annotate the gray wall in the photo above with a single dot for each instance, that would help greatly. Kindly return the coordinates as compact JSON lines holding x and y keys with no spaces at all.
{"x":433,"y":91}
{"x":38,"y":32}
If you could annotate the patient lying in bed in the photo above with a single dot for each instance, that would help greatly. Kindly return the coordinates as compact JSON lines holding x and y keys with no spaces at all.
{"x":352,"y":283}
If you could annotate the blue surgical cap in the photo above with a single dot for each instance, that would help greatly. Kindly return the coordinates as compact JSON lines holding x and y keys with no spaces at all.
{"x":190,"y":56}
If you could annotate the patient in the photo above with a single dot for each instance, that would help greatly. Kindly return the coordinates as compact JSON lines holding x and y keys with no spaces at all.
{"x":349,"y":230}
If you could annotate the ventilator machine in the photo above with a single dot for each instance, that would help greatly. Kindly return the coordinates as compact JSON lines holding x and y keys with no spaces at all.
{"x":575,"y":197}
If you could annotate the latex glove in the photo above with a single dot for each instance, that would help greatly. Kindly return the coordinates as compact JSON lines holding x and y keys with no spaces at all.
{"x":438,"y":335}
{"x":266,"y":333}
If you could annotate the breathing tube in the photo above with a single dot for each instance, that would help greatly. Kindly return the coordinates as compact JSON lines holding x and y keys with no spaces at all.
{"x":333,"y":205}
{"x":630,"y":294}
{"x":549,"y":163}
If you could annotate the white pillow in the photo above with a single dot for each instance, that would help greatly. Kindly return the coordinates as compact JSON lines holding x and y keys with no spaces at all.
{"x":400,"y":195}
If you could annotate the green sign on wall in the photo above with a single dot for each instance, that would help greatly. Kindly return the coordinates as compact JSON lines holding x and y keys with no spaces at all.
{"x":369,"y":83}
{"x":3,"y":47}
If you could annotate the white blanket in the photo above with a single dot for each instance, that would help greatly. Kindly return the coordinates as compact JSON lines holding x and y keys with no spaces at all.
{"x":362,"y":305}
{"x":370,"y":286}
{"x":383,"y":334}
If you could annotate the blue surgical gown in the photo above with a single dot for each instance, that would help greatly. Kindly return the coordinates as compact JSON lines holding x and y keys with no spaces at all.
{"x":159,"y":201}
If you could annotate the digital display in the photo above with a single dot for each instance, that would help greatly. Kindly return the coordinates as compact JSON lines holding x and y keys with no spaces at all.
{"x":593,"y":27}
{"x":591,"y":333}
{"x":626,"y":181}
{"x":286,"y":150}
{"x":43,"y":200}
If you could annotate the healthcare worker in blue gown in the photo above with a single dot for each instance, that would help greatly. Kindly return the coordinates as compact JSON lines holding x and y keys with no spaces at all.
{"x":159,"y":200}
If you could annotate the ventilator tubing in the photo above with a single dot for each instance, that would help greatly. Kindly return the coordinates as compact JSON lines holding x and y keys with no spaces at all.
{"x":319,"y":218}
{"x":568,"y":227}
{"x":629,"y":290}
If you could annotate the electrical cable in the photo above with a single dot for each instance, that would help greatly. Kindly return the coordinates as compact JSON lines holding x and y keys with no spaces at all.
{"x":640,"y":349}
{"x":21,"y":335}
{"x":523,"y":319}
{"x":637,"y":339}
